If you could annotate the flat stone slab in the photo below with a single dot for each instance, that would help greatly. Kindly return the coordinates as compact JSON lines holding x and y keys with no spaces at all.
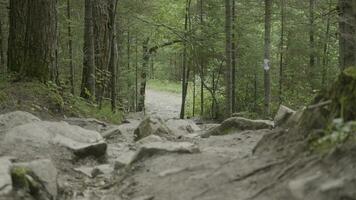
{"x":81,"y":141}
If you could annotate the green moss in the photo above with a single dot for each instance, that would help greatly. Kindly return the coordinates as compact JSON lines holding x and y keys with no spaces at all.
{"x":19,"y":179}
{"x":350,"y":72}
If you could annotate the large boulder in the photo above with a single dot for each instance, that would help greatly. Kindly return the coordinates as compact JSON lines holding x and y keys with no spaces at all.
{"x":235,"y":124}
{"x":17,"y":118}
{"x":39,"y":175}
{"x":151,"y":126}
{"x":282,"y":116}
{"x":81,"y":141}
{"x":5,"y":178}
{"x":182,"y":127}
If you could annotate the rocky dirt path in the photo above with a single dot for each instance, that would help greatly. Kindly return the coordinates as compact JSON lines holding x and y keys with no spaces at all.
{"x":164,"y":104}
{"x":164,"y":158}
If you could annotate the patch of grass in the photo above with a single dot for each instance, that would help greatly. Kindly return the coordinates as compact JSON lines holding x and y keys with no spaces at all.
{"x":164,"y":85}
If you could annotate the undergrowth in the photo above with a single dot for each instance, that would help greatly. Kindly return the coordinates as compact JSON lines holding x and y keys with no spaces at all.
{"x":49,"y":101}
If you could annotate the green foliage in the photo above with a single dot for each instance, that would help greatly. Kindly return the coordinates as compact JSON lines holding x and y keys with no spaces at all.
{"x":165,"y":85}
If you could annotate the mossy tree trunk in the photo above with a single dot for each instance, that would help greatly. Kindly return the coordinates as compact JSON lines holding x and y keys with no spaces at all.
{"x":33,"y":39}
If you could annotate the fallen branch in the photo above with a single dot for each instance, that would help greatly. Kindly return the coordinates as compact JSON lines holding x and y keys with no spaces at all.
{"x":321,"y":104}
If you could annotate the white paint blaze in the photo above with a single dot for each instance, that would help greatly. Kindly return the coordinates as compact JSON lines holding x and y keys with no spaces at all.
{"x":266,"y":66}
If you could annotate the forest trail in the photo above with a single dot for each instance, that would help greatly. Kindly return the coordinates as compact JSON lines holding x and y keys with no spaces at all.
{"x":160,"y":157}
{"x":164,"y":104}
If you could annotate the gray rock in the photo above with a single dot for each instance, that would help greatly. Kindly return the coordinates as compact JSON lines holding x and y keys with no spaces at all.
{"x":89,"y":123}
{"x":93,"y":172}
{"x":283,"y":114}
{"x":45,"y":172}
{"x":150,"y":139}
{"x":17,"y":118}
{"x":81,"y":141}
{"x":111,"y":133}
{"x":151,"y":126}
{"x":125,"y":159}
{"x":5,"y":178}
{"x":182,"y":127}
{"x":147,"y":197}
{"x":150,"y":149}
{"x":235,"y":124}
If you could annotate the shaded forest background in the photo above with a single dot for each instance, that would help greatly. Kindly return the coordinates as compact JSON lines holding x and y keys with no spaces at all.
{"x":182,"y":46}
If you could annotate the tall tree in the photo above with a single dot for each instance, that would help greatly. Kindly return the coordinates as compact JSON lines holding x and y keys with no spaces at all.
{"x":33,"y":39}
{"x":347,"y":33}
{"x":186,"y":69}
{"x":70,"y":48}
{"x":233,"y":57}
{"x":281,"y":54}
{"x":88,"y":79}
{"x":312,"y":42}
{"x":113,"y":53}
{"x":267,"y":56}
{"x":228,"y":51}
{"x":2,"y":48}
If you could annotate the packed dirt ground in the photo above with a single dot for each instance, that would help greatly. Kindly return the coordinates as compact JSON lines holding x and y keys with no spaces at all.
{"x":159,"y":157}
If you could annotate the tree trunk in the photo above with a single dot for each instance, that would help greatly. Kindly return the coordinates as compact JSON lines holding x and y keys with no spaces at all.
{"x":267,"y":56}
{"x":347,"y":31}
{"x":136,"y":74}
{"x":326,"y":50}
{"x":311,"y":43}
{"x":185,"y":69}
{"x":70,"y":49}
{"x":113,"y":54}
{"x":281,"y":55}
{"x":228,"y":67}
{"x":101,"y":46}
{"x":33,"y":38}
{"x":2,"y":48}
{"x":233,"y":57}
{"x":144,"y":70}
{"x":88,"y":81}
{"x":202,"y":68}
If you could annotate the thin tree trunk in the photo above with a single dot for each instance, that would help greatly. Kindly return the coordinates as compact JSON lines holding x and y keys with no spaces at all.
{"x":88,"y":81}
{"x":326,"y":50}
{"x":113,"y":54}
{"x":228,"y":68}
{"x":267,"y":56}
{"x":281,"y":55}
{"x":311,"y":43}
{"x":70,"y":49}
{"x":136,"y":74}
{"x":185,"y":71}
{"x":233,"y":57}
{"x":202,"y":68}
{"x":144,"y":70}
{"x":2,"y":49}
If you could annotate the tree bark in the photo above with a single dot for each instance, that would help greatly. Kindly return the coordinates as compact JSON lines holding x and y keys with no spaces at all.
{"x":228,"y":67}
{"x":88,"y":81}
{"x":33,"y":38}
{"x":185,"y":70}
{"x":2,"y":48}
{"x":267,"y":56}
{"x":113,"y":54}
{"x":312,"y":43}
{"x":281,"y":54}
{"x":144,"y":70}
{"x":70,"y":49}
{"x":233,"y":57}
{"x":347,"y":31}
